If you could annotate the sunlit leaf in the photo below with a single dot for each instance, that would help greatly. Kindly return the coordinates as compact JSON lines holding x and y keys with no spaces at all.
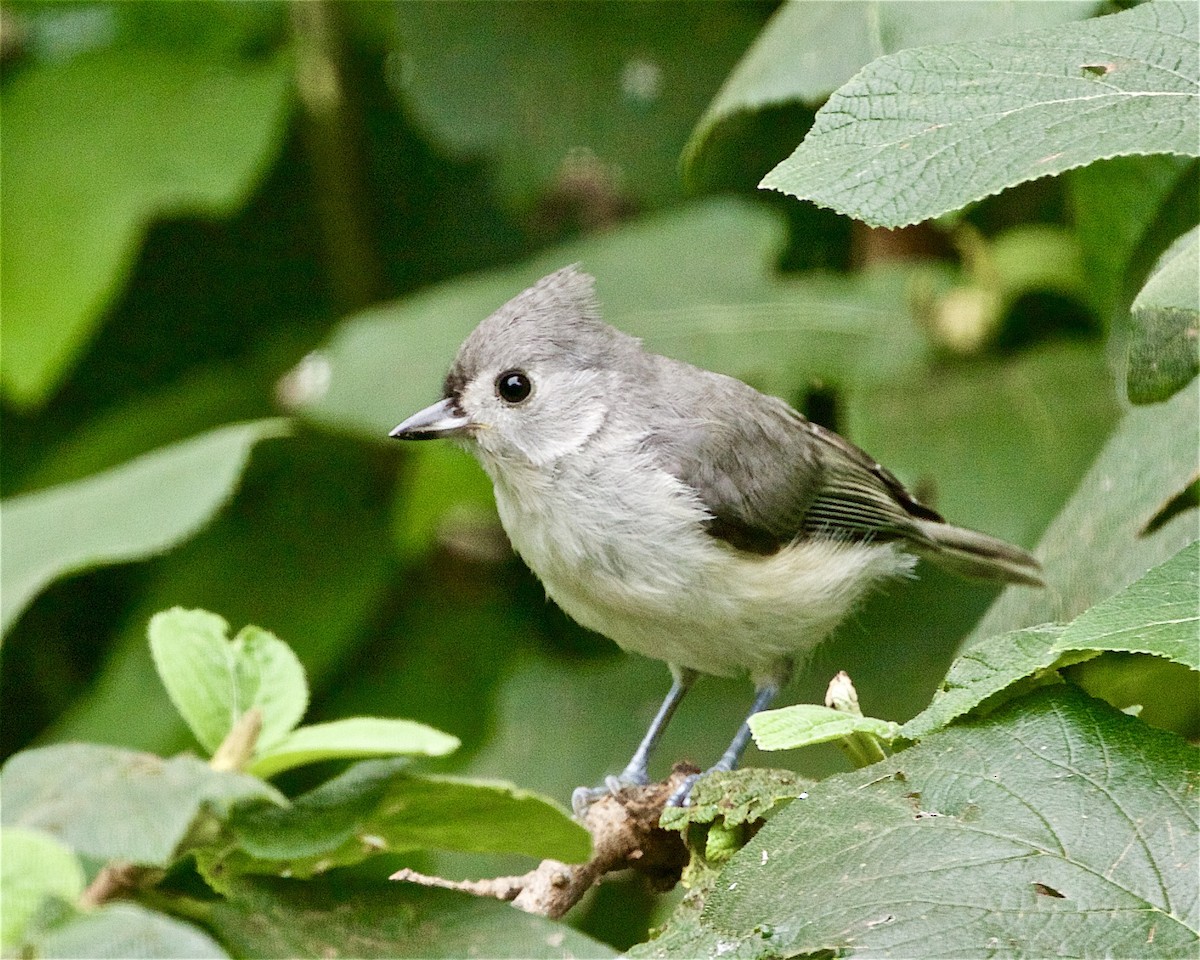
{"x":33,"y":866}
{"x":811,"y":47}
{"x":213,"y":680}
{"x":807,"y":723}
{"x":352,"y":737}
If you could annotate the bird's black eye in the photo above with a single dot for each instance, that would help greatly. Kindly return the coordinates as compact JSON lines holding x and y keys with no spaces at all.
{"x":513,"y":386}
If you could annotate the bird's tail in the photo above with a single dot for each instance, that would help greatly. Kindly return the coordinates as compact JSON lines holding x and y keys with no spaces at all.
{"x":976,"y":555}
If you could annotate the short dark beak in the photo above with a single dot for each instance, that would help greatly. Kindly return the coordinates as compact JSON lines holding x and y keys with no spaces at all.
{"x":440,"y":420}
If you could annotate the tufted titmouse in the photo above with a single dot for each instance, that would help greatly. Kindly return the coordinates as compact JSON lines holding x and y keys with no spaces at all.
{"x":680,"y":512}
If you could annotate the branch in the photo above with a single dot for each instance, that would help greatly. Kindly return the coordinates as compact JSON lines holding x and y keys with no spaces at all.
{"x":625,"y":835}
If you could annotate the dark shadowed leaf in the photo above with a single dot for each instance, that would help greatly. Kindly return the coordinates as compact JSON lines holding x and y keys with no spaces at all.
{"x":603,"y":98}
{"x":1114,"y":205}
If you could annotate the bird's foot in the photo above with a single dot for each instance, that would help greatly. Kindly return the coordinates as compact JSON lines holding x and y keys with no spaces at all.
{"x":682,"y":797}
{"x":584,"y":797}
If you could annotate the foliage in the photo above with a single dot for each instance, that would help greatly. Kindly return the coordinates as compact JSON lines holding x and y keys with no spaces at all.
{"x":215,"y":215}
{"x":57,"y":803}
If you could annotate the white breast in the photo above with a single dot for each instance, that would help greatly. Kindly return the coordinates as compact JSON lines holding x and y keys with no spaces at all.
{"x":623,"y":551}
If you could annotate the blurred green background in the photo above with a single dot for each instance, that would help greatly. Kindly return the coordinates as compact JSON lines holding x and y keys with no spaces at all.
{"x":216,"y":213}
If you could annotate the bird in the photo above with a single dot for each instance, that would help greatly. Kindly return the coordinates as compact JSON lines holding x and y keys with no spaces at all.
{"x":680,"y":512}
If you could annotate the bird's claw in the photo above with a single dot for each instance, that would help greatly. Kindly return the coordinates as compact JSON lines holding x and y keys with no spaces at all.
{"x":682,"y":797}
{"x":584,"y":797}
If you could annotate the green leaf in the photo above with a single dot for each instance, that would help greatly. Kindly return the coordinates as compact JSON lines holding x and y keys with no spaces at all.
{"x":333,"y":917}
{"x":1118,"y":523}
{"x":353,"y":737}
{"x":213,"y":681}
{"x":928,"y":130}
{"x":127,"y":931}
{"x":374,"y":807}
{"x":1164,"y":353}
{"x":33,"y":867}
{"x":113,"y":804}
{"x":602,"y":101}
{"x":985,"y":670}
{"x":1155,"y":615}
{"x":95,"y":148}
{"x":808,"y":50}
{"x":132,"y":511}
{"x":736,"y":797}
{"x":804,"y":724}
{"x":1059,"y":827}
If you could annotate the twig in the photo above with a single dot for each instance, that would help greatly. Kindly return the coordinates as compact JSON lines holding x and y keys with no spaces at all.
{"x":115,"y":879}
{"x":625,"y":835}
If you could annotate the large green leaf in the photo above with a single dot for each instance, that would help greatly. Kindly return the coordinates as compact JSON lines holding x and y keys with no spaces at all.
{"x":928,"y":130}
{"x":98,"y":145}
{"x":333,"y":917}
{"x":811,"y":48}
{"x":113,"y":804}
{"x":595,"y":98}
{"x":375,"y":807}
{"x":1059,"y":827}
{"x":1164,"y":353}
{"x":1155,"y":615}
{"x":213,"y":680}
{"x":126,"y":931}
{"x":33,"y":867}
{"x":132,"y":511}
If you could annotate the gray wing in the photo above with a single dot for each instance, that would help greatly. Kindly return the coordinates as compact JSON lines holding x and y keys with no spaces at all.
{"x":768,"y":476}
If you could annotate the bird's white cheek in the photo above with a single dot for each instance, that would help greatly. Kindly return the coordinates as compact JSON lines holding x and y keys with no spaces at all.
{"x":543,"y":441}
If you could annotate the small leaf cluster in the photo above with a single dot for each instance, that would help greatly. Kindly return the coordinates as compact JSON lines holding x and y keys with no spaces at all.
{"x":132,"y":822}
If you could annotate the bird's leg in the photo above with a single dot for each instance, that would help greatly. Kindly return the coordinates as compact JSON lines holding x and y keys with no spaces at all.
{"x":763,"y":697}
{"x":635,"y":771}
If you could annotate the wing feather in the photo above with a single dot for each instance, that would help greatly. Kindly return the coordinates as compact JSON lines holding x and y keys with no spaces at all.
{"x":768,"y":476}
